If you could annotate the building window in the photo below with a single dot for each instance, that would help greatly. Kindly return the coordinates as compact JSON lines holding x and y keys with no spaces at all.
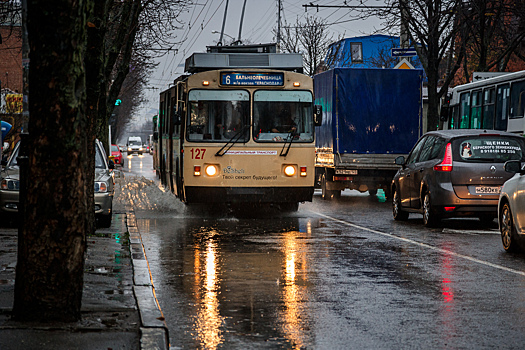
{"x":357,"y":52}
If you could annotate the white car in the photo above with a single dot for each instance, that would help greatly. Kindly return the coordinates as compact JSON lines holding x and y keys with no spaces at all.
{"x":511,"y":208}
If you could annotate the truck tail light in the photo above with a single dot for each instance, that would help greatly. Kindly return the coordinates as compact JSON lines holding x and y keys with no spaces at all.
{"x":446,"y":164}
{"x":197,"y":170}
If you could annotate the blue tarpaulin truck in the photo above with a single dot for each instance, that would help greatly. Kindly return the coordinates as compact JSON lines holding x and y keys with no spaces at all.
{"x":370,"y":116}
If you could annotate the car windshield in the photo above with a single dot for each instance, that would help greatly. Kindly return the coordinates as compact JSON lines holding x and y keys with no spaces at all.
{"x":114,"y":148}
{"x":279,"y":115}
{"x":135,"y":143}
{"x":13,"y":159}
{"x":490,"y":149}
{"x":99,"y":159}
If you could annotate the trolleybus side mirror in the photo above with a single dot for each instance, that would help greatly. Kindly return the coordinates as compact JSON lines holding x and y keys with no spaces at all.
{"x":318,"y":115}
{"x":156,"y":136}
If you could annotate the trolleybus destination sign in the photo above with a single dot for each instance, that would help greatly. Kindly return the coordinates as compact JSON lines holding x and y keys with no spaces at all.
{"x":252,"y":79}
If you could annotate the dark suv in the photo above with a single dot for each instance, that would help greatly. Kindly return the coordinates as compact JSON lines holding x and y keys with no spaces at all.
{"x":454,"y":173}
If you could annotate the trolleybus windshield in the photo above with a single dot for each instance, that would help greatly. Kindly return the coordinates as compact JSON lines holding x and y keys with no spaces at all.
{"x":218,"y":115}
{"x":281,"y":115}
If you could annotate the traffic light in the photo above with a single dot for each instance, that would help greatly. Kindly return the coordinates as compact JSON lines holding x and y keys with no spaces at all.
{"x":118,"y":101}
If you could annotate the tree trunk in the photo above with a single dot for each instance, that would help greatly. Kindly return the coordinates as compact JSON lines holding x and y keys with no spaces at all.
{"x":52,"y":243}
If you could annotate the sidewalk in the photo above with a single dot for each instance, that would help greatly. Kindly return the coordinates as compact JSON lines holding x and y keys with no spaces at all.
{"x":119,"y":310}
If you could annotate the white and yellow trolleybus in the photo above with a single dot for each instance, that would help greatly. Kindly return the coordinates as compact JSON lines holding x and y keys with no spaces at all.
{"x":239,"y":129}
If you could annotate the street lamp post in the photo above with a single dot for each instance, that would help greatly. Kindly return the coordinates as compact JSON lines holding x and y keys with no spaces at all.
{"x":217,"y":32}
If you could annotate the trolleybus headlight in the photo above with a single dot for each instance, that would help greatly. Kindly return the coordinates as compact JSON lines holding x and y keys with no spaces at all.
{"x":197,"y":170}
{"x":289,"y":170}
{"x":303,"y":171}
{"x":211,"y":170}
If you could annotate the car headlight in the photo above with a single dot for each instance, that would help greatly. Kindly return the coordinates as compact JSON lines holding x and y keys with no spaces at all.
{"x":101,"y":187}
{"x":140,"y":149}
{"x":10,"y":185}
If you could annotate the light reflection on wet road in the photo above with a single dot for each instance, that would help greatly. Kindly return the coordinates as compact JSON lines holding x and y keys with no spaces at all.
{"x":335,"y":275}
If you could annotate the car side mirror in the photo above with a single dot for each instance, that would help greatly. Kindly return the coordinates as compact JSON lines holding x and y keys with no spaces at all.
{"x":318,"y":115}
{"x":400,"y":161}
{"x":514,"y":166}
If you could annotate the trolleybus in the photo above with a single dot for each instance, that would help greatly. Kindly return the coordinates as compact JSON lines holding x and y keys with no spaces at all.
{"x":239,"y":129}
{"x":496,"y":103}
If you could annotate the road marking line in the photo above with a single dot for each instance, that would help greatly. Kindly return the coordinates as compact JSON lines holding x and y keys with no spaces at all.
{"x":472,"y":232}
{"x":424,"y":245}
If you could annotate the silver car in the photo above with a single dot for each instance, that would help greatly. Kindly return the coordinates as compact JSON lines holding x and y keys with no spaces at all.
{"x":453,"y":173}
{"x":511,"y":209}
{"x":104,"y":186}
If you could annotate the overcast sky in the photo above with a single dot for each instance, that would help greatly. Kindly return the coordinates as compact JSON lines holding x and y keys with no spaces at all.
{"x":259,"y":19}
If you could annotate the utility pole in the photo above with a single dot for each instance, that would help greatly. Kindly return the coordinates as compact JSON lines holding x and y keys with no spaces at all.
{"x":223,"y":23}
{"x":279,"y":26}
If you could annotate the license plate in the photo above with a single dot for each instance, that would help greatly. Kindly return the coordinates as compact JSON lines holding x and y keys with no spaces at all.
{"x":488,"y":189}
{"x":346,"y":171}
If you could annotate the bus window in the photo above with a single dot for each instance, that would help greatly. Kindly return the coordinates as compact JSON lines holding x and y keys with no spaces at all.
{"x":476,"y":110}
{"x":278,"y":115}
{"x":464,"y":111}
{"x":218,"y":115}
{"x":453,"y":117}
{"x":488,"y":109}
{"x":517,"y":99}
{"x":502,"y":104}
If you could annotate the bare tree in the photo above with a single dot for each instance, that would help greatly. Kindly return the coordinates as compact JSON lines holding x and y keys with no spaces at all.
{"x":52,"y":235}
{"x":81,"y":51}
{"x":310,"y":38}
{"x":496,"y":37}
{"x":433,"y":27}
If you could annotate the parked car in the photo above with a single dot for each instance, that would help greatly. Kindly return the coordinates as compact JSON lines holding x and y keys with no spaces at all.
{"x":453,"y":173}
{"x":104,"y":186}
{"x":511,"y":208}
{"x":117,"y":155}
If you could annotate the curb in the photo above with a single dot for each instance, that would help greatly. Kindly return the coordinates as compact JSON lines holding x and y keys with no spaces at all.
{"x":153,"y":331}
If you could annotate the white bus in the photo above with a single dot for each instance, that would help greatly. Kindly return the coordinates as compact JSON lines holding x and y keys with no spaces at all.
{"x":496,"y":103}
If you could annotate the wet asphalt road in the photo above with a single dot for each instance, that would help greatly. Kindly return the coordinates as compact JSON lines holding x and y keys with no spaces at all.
{"x":334,"y":275}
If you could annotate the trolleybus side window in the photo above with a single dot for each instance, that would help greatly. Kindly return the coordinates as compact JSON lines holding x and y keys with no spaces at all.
{"x":218,"y":115}
{"x":488,"y":109}
{"x":464,"y":111}
{"x":475,"y":111}
{"x":517,"y":99}
{"x":282,"y":115}
{"x":502,"y":104}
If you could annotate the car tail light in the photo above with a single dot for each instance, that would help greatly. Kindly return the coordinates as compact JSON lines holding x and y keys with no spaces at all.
{"x":450,"y":208}
{"x":446,"y":164}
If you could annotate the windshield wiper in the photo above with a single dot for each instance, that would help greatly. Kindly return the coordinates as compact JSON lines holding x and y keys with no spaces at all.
{"x":235,"y":138}
{"x":289,"y":140}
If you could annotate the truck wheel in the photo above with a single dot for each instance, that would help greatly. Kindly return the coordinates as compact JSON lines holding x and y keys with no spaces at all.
{"x":327,"y":194}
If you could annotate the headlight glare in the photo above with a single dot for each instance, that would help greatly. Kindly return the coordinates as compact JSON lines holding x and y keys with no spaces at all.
{"x":289,"y":170}
{"x":211,"y":170}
